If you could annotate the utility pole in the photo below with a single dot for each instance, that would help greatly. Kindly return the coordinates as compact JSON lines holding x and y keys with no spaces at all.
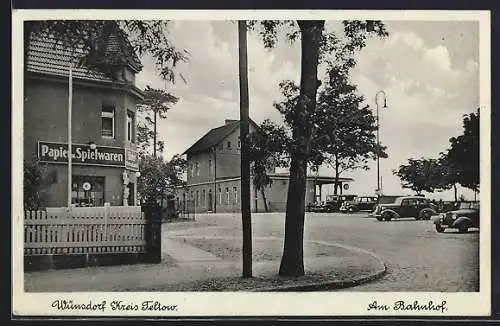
{"x":246,"y":215}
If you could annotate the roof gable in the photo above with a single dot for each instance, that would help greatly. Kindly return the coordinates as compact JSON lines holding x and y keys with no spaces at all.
{"x":215,"y":136}
{"x":45,"y":55}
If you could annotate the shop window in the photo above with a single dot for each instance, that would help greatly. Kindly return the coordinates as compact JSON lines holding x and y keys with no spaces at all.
{"x":235,"y":193}
{"x":227,"y":195}
{"x":87,"y":191}
{"x":220,"y":196}
{"x":130,"y":127}
{"x":108,"y":121}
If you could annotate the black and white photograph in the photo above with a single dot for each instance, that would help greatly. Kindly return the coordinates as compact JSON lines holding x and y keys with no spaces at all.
{"x":233,"y":163}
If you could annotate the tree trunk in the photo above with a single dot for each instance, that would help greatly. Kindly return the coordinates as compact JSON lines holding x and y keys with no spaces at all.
{"x":337,"y":175}
{"x":245,"y":159}
{"x":292,"y":261}
{"x":266,"y":209}
{"x":154,"y":135}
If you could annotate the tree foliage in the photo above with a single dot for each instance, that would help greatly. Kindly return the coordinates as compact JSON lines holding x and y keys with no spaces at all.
{"x":267,"y":150}
{"x":463,"y":155}
{"x":459,"y":165}
{"x":37,"y":179}
{"x":159,"y":178}
{"x":423,"y":175}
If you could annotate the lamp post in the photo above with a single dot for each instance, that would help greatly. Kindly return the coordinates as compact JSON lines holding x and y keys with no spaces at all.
{"x":378,"y":137}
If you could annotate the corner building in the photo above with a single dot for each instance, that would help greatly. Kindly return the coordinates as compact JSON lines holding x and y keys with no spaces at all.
{"x":104,"y":161}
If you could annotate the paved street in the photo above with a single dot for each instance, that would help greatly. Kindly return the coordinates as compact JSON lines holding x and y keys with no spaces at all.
{"x":417,"y":257}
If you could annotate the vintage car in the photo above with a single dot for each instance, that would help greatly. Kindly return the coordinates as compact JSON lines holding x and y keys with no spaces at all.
{"x":319,"y":207}
{"x":334,"y":202}
{"x":465,"y":216}
{"x":362,"y":203}
{"x":407,"y":206}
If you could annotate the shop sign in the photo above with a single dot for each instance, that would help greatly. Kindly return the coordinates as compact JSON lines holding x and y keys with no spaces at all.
{"x":82,"y":154}
{"x":131,"y":160}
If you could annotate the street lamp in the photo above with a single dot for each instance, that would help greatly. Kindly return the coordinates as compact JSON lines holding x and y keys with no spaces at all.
{"x":378,"y":138}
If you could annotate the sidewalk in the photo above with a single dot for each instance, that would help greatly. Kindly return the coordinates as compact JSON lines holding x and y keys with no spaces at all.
{"x":187,"y":268}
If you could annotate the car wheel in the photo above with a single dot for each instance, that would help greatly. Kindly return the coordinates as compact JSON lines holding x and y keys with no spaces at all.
{"x":439,"y":228}
{"x":387,"y":216}
{"x":379,"y":218}
{"x":350,"y":209}
{"x":463,"y":229}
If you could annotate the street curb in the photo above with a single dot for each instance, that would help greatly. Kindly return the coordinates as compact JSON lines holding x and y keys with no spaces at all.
{"x":324,"y":286}
{"x":332,"y":285}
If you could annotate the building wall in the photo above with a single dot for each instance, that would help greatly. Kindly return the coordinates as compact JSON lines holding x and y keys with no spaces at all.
{"x":45,"y":119}
{"x":225,"y":161}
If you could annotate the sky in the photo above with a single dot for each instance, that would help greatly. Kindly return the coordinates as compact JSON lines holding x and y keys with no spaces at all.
{"x":429,"y":71}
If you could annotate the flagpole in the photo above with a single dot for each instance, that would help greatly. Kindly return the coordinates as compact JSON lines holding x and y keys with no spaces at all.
{"x":70,"y":149}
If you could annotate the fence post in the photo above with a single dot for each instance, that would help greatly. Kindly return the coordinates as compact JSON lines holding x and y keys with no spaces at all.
{"x":152,"y":214}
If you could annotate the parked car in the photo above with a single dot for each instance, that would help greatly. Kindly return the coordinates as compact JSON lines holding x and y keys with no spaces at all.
{"x":407,"y":206}
{"x":362,"y":203}
{"x":317,"y":207}
{"x":465,"y":216}
{"x":335,"y":201}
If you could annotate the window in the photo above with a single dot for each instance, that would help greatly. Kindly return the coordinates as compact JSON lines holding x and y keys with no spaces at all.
{"x":108,"y":121}
{"x":239,"y":141}
{"x":204,"y":197}
{"x":130,"y":127}
{"x":228,"y":144}
{"x":235,"y":194}
{"x":227,"y":195}
{"x":220,"y":146}
{"x":197,"y":168}
{"x":193,"y":169}
{"x":209,"y":167}
{"x":94,"y":196}
{"x":220,"y":196}
{"x":197,"y":202}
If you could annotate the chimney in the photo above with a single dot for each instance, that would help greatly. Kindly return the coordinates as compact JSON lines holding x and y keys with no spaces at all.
{"x":228,"y":121}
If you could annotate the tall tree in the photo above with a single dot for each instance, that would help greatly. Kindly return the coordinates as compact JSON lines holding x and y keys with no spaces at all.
{"x":156,"y":102}
{"x":343,"y":132}
{"x":268,"y":149}
{"x":463,"y":155}
{"x":316,"y":44}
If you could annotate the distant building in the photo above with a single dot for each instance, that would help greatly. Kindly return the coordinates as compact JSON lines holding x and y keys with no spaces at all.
{"x":103,"y":115}
{"x":214,"y":179}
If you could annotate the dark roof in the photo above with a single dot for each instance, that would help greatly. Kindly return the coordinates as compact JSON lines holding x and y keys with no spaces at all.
{"x":47,"y":57}
{"x":215,"y":136}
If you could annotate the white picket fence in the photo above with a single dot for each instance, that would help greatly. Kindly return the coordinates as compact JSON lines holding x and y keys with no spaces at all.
{"x":108,"y":229}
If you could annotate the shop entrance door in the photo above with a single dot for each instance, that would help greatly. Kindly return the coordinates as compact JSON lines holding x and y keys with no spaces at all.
{"x":209,"y":206}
